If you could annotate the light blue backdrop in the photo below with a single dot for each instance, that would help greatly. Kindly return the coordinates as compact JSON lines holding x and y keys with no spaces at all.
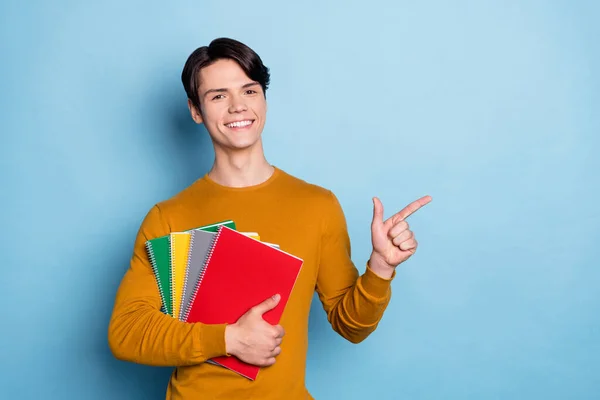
{"x":490,"y":107}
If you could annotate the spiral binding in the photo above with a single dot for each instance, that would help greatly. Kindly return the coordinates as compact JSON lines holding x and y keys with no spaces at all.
{"x":150,"y":252}
{"x":206,"y":262}
{"x":185,"y":277}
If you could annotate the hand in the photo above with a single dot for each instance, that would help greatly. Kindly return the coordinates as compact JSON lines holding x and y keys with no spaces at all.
{"x":393,"y":241}
{"x":254,"y":340}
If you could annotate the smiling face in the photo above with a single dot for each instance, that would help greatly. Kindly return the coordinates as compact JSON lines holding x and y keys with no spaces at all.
{"x":232,"y":106}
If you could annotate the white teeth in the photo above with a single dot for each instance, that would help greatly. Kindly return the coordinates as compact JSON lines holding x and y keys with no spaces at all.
{"x":239,"y":124}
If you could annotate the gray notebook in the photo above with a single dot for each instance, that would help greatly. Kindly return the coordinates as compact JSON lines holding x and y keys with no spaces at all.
{"x":200,"y":245}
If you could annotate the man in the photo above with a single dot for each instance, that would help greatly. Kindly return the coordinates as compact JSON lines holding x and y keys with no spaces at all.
{"x":226,"y":85}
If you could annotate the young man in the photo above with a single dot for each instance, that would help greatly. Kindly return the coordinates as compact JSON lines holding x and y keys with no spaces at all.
{"x":226,"y":85}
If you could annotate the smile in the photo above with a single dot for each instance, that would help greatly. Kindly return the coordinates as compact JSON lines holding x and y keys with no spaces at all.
{"x":239,"y":124}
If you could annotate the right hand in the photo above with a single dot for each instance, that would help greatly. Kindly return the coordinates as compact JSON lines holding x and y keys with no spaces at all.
{"x":252,"y":339}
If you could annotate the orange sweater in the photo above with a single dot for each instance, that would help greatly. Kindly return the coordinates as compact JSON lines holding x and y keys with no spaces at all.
{"x":305,"y":220}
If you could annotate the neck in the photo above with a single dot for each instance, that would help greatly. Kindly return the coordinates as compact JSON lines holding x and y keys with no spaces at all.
{"x":241,"y":168}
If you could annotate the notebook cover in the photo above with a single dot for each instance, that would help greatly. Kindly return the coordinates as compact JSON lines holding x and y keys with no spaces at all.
{"x":240,"y":273}
{"x":200,"y":244}
{"x":160,"y":258}
{"x":159,"y":250}
{"x":180,"y":247}
{"x":215,"y":227}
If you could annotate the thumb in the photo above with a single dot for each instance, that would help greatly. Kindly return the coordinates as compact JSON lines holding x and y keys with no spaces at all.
{"x":377,"y":213}
{"x":267,"y":305}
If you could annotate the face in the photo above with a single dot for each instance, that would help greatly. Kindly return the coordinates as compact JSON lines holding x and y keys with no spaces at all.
{"x":233,"y":107}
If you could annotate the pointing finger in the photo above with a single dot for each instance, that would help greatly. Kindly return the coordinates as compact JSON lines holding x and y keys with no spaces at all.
{"x":412,"y":207}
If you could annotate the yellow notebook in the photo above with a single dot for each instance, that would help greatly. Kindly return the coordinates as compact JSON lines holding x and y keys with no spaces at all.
{"x":253,"y":235}
{"x":256,"y":236}
{"x":180,"y":248}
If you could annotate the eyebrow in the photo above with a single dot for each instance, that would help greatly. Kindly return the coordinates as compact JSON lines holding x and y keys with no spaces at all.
{"x":222,"y":90}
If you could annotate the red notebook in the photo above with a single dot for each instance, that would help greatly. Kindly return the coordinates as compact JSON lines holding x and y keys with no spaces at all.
{"x":240,"y":273}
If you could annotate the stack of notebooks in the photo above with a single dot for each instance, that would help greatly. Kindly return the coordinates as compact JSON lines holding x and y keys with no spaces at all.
{"x":214,"y":274}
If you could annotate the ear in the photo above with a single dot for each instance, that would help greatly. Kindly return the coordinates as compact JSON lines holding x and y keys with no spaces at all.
{"x":195,"y":113}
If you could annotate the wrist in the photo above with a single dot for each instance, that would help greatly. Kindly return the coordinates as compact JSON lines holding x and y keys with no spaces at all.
{"x":380,"y":267}
{"x":231,"y":340}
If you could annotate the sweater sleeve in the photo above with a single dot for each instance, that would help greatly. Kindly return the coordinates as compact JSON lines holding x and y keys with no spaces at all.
{"x":139,"y":331}
{"x":354,"y":303}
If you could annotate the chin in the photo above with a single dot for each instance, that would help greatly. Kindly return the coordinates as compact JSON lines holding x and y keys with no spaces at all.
{"x":238,"y":139}
{"x":243,"y":144}
{"x":243,"y":141}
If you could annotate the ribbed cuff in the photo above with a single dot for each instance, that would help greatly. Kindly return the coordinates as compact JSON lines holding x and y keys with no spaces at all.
{"x":375,"y":285}
{"x":212,"y":340}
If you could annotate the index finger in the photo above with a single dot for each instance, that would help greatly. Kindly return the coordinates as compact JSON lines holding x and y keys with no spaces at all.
{"x":412,"y":207}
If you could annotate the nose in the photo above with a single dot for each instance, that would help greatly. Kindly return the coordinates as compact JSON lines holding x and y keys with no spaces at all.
{"x":237,"y":104}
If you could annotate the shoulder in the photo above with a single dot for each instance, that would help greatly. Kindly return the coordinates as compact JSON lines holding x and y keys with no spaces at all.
{"x":160,"y":212}
{"x":321,"y":205}
{"x":312,"y":194}
{"x":301,"y":185}
{"x":182,"y":199}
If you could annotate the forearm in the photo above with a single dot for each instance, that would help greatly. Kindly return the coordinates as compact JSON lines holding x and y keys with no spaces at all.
{"x":141,"y":334}
{"x":354,"y":304}
{"x":358,"y":311}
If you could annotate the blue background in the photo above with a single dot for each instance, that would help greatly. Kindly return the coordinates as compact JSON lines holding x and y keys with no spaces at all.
{"x":491,"y":107}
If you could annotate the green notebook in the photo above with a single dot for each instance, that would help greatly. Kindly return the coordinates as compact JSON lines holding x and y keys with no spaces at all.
{"x":159,"y":253}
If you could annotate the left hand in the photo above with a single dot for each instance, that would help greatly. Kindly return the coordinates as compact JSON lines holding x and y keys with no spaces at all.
{"x":393,"y":241}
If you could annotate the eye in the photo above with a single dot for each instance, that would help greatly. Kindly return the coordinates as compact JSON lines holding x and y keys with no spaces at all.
{"x":250,"y":91}
{"x":218,"y":97}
